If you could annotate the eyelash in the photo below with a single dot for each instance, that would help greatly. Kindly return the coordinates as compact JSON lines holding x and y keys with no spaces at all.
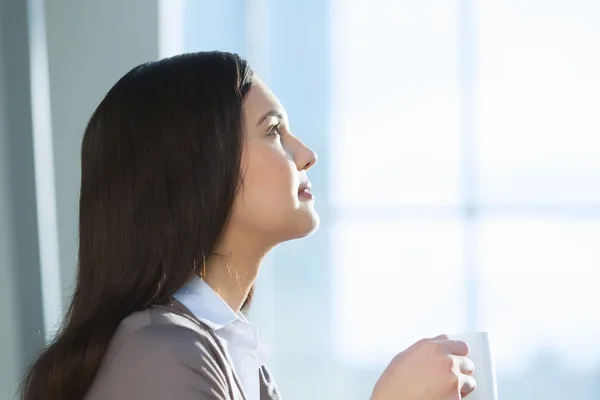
{"x":274,"y":130}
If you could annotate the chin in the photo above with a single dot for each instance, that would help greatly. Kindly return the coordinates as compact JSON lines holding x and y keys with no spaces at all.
{"x":308,"y":222}
{"x":299,"y":223}
{"x":310,"y":229}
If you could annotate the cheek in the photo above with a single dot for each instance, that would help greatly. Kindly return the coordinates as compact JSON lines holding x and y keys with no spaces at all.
{"x":268,"y":180}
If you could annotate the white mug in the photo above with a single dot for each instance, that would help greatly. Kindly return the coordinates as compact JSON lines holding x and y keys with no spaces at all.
{"x":481,"y":355}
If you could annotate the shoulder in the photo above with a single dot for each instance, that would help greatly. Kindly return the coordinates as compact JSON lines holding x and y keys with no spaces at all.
{"x":159,"y":331}
{"x":157,"y":353}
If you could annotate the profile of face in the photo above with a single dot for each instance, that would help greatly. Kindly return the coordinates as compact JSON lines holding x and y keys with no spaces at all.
{"x":274,"y":201}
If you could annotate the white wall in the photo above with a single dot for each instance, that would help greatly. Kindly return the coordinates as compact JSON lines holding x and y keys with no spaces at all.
{"x":91,"y":44}
{"x":83,"y":50}
{"x":20,"y":299}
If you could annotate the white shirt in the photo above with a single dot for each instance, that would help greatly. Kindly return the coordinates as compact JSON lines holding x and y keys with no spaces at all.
{"x":246,"y":349}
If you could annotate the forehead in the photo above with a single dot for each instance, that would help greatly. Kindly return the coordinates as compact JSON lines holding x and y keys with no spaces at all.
{"x":260,"y":100}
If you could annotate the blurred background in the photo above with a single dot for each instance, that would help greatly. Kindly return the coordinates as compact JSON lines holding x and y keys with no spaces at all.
{"x":458,"y":182}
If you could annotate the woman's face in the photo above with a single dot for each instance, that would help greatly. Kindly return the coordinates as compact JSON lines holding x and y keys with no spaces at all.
{"x":274,"y":202}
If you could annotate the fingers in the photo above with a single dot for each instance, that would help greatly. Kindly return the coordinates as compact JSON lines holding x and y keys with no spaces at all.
{"x":456,"y":347}
{"x":464,"y":365}
{"x":467,"y":385}
{"x":464,"y":368}
{"x":441,"y":337}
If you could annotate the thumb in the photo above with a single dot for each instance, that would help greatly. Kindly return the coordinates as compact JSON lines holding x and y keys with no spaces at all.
{"x":441,"y":337}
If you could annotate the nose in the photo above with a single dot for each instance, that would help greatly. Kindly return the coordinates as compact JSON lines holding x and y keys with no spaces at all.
{"x":305,"y":157}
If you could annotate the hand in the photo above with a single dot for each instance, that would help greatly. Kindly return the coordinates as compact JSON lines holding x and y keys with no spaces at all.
{"x":431,"y":369}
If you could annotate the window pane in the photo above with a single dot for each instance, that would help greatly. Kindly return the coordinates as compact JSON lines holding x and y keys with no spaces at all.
{"x":539,"y":300}
{"x":539,"y":101}
{"x":394,"y":282}
{"x":395,"y":127}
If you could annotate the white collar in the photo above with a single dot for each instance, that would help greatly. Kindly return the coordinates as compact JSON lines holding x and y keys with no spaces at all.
{"x":206,"y":304}
{"x":211,"y":309}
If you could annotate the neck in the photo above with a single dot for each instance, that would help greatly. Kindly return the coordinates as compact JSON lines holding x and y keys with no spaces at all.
{"x":231,"y":273}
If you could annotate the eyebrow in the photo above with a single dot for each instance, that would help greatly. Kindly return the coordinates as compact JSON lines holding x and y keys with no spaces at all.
{"x":272,"y":113}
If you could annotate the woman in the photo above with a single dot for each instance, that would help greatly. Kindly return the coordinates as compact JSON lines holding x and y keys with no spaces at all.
{"x":190,"y":175}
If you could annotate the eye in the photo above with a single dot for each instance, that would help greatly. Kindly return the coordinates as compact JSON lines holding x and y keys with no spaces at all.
{"x":274,"y":130}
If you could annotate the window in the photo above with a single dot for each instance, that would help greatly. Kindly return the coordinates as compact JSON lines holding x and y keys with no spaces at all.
{"x":466,"y":164}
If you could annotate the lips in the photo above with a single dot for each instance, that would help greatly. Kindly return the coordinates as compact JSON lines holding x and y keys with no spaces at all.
{"x":304,"y":187}
{"x":304,"y":191}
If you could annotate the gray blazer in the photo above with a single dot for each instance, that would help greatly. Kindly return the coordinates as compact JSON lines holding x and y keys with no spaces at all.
{"x":165,"y":353}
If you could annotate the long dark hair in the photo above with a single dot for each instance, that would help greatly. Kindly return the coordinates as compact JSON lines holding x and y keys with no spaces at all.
{"x":160,"y":167}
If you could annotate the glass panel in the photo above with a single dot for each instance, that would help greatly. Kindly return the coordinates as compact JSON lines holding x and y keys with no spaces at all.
{"x":394,"y":282}
{"x":395,"y":128}
{"x":538,"y":116}
{"x":539,"y":300}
